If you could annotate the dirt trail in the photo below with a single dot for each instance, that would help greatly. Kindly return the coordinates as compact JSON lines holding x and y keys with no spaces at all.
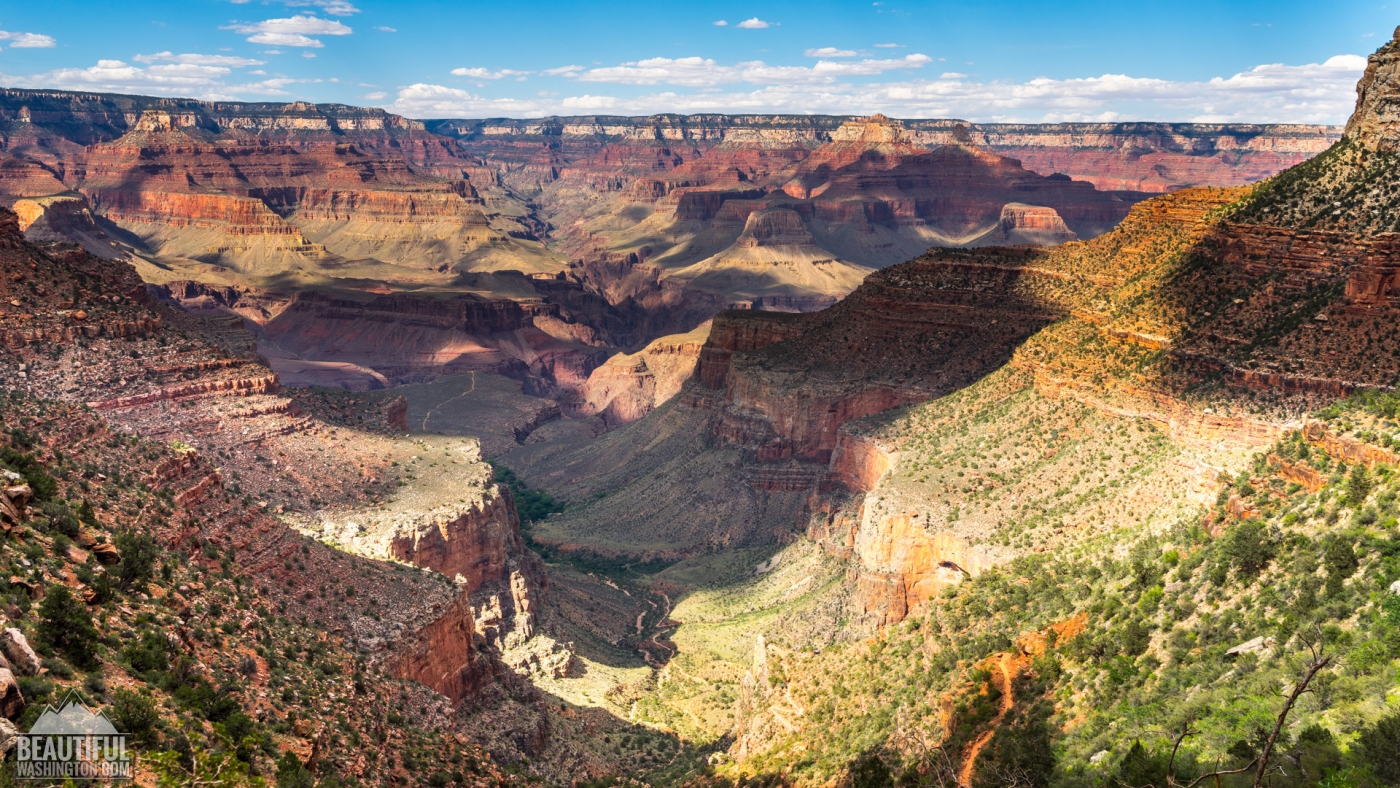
{"x":1005,"y":665}
{"x":643,"y":615}
{"x":429,"y":414}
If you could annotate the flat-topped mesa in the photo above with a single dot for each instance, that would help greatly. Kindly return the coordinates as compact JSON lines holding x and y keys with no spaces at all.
{"x":162,"y":120}
{"x":875,"y":129}
{"x":94,"y":117}
{"x":1375,"y":124}
{"x":774,"y":227}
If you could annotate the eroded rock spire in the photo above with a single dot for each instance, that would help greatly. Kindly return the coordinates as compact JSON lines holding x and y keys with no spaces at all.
{"x":1375,"y":124}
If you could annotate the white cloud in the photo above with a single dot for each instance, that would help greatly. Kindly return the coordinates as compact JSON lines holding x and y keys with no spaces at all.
{"x":267,"y":87}
{"x":830,"y":52}
{"x":294,"y":31}
{"x":332,"y":7}
{"x":704,"y":72}
{"x":888,"y":46}
{"x":28,"y":40}
{"x":753,"y":24}
{"x":386,"y":28}
{"x":308,"y":55}
{"x":563,"y":71}
{"x":429,"y":101}
{"x":377,"y":95}
{"x":486,"y":73}
{"x":721,"y":23}
{"x":1275,"y":93}
{"x":198,"y":60}
{"x":192,"y":80}
{"x":952,"y":75}
{"x":117,"y":76}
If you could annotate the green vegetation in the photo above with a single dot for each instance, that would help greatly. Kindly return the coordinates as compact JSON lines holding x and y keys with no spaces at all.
{"x":66,"y":626}
{"x":1161,"y":612}
{"x":530,"y":505}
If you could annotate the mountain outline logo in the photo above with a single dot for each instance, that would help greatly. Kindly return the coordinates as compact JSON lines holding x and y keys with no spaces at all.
{"x":72,"y":742}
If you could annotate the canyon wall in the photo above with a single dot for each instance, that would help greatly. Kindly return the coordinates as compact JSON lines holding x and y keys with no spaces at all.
{"x":1152,"y":157}
{"x":626,"y":387}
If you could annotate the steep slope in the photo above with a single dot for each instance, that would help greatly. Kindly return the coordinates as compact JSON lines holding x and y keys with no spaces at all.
{"x":1049,"y":494}
{"x":374,"y":502}
{"x":185,"y":616}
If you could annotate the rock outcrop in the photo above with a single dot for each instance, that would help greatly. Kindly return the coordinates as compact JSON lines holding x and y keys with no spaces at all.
{"x":1375,"y":124}
{"x":442,"y":655}
{"x":628,"y":386}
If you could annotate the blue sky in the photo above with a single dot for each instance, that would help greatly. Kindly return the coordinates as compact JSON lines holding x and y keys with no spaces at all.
{"x":1011,"y":61}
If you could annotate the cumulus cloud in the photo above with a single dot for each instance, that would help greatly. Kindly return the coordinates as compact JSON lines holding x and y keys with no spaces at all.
{"x":377,"y":95}
{"x":118,"y":76}
{"x":294,"y":31}
{"x":332,"y":7}
{"x":486,"y":73}
{"x":386,"y":28}
{"x":184,"y":79}
{"x":430,"y":101}
{"x":703,"y":72}
{"x":1274,"y":93}
{"x":830,"y":52}
{"x":199,"y":60}
{"x":753,"y":24}
{"x":28,"y":40}
{"x":721,"y":23}
{"x":563,"y":71}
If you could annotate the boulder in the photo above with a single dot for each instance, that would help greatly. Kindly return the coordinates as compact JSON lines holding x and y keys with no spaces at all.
{"x":87,"y":539}
{"x":9,"y":513}
{"x":1395,"y":588}
{"x":107,"y":554}
{"x":1253,"y":646}
{"x":11,"y":699}
{"x":75,"y":554}
{"x":15,"y":647}
{"x":9,"y":734}
{"x":19,"y":495}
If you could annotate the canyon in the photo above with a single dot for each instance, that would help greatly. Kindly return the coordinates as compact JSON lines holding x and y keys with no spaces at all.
{"x":715,"y":449}
{"x":607,"y":233}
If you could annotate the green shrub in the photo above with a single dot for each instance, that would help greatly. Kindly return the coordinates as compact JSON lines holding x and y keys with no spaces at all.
{"x":1358,"y":485}
{"x":1341,"y":562}
{"x":61,"y":519}
{"x":869,"y":771}
{"x":1248,"y":548}
{"x":292,"y":774}
{"x":65,"y":625}
{"x":43,"y":485}
{"x":1380,"y":748}
{"x":135,"y":714}
{"x":139,"y":554}
{"x":149,"y":653}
